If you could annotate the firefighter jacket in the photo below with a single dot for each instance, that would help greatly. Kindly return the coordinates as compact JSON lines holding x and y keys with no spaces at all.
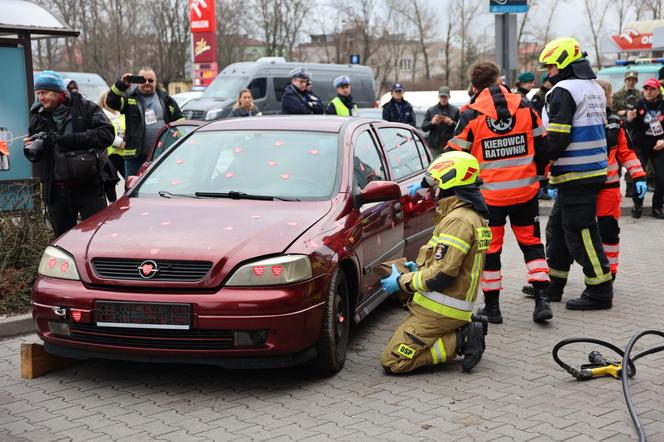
{"x":450,"y":264}
{"x":128,"y":103}
{"x":506,"y":136}
{"x":575,"y":119}
{"x":620,"y":153}
{"x":648,"y":127}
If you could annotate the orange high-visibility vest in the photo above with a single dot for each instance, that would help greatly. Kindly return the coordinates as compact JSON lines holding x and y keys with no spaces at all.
{"x":501,"y":136}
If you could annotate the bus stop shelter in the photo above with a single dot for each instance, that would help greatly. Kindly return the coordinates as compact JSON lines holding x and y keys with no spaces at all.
{"x":21,"y":23}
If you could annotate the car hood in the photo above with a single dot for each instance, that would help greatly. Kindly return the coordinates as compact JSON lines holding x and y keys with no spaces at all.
{"x":222,"y":231}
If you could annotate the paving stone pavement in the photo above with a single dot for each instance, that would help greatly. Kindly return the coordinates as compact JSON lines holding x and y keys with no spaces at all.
{"x":515,"y":393}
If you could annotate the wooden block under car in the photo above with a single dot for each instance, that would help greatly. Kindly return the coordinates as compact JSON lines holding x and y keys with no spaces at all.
{"x":35,"y":361}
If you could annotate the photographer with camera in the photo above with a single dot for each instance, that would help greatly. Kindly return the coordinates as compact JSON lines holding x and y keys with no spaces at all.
{"x":68,"y":137}
{"x":147,"y":109}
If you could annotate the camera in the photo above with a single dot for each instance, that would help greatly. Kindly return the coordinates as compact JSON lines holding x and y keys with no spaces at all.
{"x":38,"y":142}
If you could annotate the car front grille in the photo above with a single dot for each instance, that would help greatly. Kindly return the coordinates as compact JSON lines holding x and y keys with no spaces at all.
{"x":166,"y":270}
{"x":195,"y":339}
{"x":191,"y":114}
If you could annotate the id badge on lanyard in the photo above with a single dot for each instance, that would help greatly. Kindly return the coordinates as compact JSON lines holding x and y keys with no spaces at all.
{"x":151,"y":117}
{"x":656,"y":128}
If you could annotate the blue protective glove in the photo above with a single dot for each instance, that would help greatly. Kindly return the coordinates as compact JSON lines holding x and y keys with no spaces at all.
{"x":412,"y":266}
{"x":413,"y":188}
{"x":641,"y":189}
{"x":553,"y":192}
{"x":390,"y":284}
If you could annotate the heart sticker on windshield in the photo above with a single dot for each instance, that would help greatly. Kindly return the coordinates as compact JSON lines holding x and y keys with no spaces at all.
{"x":285,"y":176}
{"x":278,"y":143}
{"x":237,"y":150}
{"x":313,"y":151}
{"x":271,"y":163}
{"x":229,"y":175}
{"x":179,"y":161}
{"x":175,"y":182}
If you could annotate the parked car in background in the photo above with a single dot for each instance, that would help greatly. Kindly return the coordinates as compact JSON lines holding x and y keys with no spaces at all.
{"x":266,"y":78}
{"x":183,"y":98}
{"x":249,"y":243}
{"x":90,"y":85}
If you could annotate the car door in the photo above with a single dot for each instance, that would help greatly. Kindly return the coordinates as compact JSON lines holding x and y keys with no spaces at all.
{"x":378,"y":229}
{"x":407,"y":160}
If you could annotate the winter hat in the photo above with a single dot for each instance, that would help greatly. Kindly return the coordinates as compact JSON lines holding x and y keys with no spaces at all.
{"x":50,"y":81}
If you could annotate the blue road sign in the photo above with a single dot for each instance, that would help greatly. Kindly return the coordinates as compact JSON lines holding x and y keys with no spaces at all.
{"x":355,"y":59}
{"x":508,"y":6}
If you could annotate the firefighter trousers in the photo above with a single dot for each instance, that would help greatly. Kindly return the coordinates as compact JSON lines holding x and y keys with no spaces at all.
{"x":572,"y":234}
{"x":524,"y":219}
{"x":608,"y":214}
{"x":423,"y":338}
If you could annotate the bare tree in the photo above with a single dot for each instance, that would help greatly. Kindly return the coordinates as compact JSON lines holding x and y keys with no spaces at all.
{"x":596,"y":11}
{"x":281,"y":22}
{"x":450,"y":31}
{"x":422,"y":19}
{"x":467,"y":13}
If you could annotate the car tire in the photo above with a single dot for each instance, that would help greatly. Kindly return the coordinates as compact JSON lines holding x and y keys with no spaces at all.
{"x":333,"y":342}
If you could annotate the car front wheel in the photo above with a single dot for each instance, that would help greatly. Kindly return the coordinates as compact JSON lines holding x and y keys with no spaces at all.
{"x":333,"y":342}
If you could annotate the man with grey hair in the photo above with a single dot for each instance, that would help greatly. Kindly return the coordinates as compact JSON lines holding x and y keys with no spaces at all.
{"x":147,"y":109}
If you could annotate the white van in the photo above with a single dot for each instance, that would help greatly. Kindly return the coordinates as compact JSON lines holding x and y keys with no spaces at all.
{"x":266,"y":78}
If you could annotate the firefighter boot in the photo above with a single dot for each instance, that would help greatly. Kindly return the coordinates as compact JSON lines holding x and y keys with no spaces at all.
{"x":637,"y":210}
{"x":491,"y":307}
{"x":542,"y":310}
{"x":554,"y":291}
{"x":470,"y":344}
{"x":590,"y":301}
{"x":528,"y":290}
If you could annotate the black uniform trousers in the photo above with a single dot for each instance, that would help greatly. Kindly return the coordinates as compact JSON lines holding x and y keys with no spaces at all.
{"x":68,"y":201}
{"x":572,"y":234}
{"x":657,"y":158}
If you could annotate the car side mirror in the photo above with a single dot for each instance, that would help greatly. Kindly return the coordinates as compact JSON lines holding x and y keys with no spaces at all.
{"x":380,"y":191}
{"x":130,"y":182}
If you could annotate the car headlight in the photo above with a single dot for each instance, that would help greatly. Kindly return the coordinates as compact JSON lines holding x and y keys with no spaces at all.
{"x":214,"y":114}
{"x":272,"y":271}
{"x":56,"y":263}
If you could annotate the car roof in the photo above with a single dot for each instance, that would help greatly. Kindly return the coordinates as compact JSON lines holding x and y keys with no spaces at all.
{"x":309,"y":123}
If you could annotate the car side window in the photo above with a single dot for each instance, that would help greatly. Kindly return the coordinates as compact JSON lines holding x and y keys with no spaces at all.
{"x":168,"y":137}
{"x":367,"y":164}
{"x":402,"y":153}
{"x":280,"y":84}
{"x":421,"y":150}
{"x":258,"y":88}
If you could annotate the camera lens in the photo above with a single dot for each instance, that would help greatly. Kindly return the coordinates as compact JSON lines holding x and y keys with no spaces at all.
{"x":33,"y":150}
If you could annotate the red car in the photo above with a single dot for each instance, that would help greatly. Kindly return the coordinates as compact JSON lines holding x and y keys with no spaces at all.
{"x":249,"y":243}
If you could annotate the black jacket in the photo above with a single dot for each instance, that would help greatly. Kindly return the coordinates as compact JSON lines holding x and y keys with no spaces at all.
{"x":295,"y":102}
{"x":401,"y":112}
{"x":128,"y":103}
{"x":640,"y":129}
{"x":242,"y":112}
{"x":538,"y":100}
{"x":439,"y":134}
{"x":91,"y":130}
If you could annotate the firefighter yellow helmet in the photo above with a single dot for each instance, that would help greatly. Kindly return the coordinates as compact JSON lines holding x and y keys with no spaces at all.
{"x":560,"y":52}
{"x":455,"y":169}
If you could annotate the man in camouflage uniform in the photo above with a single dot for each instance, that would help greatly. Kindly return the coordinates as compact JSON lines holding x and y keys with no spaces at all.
{"x":621,"y":99}
{"x":445,"y":277}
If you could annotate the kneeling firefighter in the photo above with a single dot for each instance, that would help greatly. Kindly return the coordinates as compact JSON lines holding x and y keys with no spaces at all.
{"x":445,"y":277}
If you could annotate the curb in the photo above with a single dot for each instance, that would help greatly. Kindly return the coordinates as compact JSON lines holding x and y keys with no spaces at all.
{"x":17,"y":325}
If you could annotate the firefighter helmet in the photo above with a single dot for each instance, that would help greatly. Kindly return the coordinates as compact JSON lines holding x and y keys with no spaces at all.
{"x":455,"y":169}
{"x":560,"y":52}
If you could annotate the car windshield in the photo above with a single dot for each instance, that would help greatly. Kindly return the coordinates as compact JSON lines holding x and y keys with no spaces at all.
{"x":241,"y":165}
{"x":225,"y":87}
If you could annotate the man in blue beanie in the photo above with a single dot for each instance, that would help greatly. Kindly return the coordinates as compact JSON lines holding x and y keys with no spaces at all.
{"x":74,"y":136}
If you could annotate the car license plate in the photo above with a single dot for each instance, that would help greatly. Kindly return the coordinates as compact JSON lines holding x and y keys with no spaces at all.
{"x":143,"y":315}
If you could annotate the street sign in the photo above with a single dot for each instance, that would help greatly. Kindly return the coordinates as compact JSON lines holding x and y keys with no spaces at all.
{"x":355,"y":59}
{"x":508,"y":6}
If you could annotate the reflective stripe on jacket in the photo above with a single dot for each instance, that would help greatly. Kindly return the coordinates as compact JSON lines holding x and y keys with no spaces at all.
{"x":119,"y":126}
{"x":501,"y":136}
{"x":457,"y":249}
{"x":620,"y":152}
{"x":586,"y":155}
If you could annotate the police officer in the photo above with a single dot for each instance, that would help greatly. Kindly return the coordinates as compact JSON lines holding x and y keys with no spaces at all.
{"x":398,"y":110}
{"x":440,"y":121}
{"x":146,"y":108}
{"x":445,"y":277}
{"x":342,"y":104}
{"x":575,"y":119}
{"x":506,"y":136}
{"x":72,"y":185}
{"x":297,"y":98}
